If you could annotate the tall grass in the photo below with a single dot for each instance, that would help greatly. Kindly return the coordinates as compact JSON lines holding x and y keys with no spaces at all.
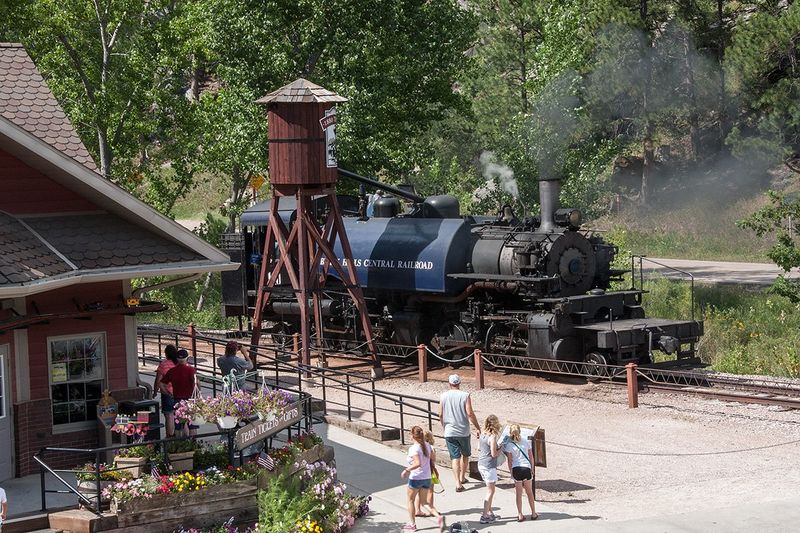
{"x":745,"y":332}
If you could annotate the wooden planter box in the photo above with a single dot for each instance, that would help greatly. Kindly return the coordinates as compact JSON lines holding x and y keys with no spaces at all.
{"x":204,"y":508}
{"x":134,"y":465}
{"x":181,"y":461}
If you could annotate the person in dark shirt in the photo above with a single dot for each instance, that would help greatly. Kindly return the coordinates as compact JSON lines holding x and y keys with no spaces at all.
{"x":183,"y":379}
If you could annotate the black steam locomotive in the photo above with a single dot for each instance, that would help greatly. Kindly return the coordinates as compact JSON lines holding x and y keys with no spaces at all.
{"x":536,"y":286}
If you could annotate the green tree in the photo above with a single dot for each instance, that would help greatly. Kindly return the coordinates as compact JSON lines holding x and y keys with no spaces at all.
{"x":98,"y":57}
{"x":762,"y":62}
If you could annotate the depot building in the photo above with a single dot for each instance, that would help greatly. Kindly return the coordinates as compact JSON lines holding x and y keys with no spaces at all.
{"x":70,"y":243}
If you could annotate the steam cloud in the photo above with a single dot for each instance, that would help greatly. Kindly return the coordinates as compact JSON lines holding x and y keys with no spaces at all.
{"x":496,"y":172}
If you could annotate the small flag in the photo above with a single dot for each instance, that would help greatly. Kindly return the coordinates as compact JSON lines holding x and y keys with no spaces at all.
{"x":155,"y":473}
{"x":265,"y":461}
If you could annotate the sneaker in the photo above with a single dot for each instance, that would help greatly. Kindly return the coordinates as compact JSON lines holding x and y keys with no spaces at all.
{"x":410,"y":527}
{"x":486,"y":519}
{"x":493,"y":516}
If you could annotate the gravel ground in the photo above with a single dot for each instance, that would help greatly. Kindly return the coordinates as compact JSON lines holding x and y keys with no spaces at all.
{"x":675,"y":453}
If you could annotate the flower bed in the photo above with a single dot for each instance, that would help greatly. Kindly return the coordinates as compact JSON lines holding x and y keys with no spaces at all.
{"x":299,"y":493}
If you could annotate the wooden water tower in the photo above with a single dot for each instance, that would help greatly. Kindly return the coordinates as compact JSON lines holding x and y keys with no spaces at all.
{"x":302,"y":164}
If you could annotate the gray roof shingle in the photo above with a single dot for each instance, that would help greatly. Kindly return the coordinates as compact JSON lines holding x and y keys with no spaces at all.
{"x":26,"y":101}
{"x":23,"y":256}
{"x":94,"y":241}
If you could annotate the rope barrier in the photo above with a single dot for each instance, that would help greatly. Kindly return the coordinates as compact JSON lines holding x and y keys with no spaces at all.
{"x":447,"y":360}
{"x":656,"y":454}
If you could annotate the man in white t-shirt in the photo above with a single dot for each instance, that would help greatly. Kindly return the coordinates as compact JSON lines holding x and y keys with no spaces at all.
{"x":3,"y":507}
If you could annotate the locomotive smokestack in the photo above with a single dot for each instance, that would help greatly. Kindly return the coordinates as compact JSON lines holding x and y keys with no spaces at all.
{"x":549,"y":190}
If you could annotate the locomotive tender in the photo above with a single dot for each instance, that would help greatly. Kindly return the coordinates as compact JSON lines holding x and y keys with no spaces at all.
{"x":537,"y":286}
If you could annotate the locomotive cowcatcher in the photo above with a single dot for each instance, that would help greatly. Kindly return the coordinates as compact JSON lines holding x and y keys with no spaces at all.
{"x":538,"y":286}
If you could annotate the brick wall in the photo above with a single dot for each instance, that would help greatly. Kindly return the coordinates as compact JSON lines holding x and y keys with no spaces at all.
{"x":34,"y":431}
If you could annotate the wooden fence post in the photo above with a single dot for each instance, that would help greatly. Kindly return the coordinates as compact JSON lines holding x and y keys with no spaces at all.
{"x":296,"y":345}
{"x":422,"y":357}
{"x":633,"y":385}
{"x":478,"y":368}
{"x":193,"y":337}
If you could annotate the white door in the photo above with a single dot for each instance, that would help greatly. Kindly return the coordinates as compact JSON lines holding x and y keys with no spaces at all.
{"x":6,"y":439}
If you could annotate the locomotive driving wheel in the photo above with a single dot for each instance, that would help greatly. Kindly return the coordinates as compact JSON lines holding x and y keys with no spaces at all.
{"x":282,"y":335}
{"x":596,"y":366}
{"x":451,"y":343}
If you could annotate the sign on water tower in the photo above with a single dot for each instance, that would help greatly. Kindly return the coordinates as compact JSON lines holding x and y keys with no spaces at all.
{"x":328,"y":123}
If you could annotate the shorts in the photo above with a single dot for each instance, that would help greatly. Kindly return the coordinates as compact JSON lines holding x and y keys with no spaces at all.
{"x":488,"y":475}
{"x":167,"y":403}
{"x":521,"y":473}
{"x":458,"y":446}
{"x":420,"y":483}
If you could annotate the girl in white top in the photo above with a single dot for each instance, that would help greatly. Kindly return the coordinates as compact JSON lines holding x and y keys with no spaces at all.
{"x":420,"y":458}
{"x":520,"y":462}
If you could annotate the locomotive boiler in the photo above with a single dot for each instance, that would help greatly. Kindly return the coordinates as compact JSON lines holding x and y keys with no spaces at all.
{"x":537,"y":286}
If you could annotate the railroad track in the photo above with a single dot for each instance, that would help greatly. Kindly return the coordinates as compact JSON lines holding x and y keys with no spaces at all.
{"x":779,"y":393}
{"x":723,"y":387}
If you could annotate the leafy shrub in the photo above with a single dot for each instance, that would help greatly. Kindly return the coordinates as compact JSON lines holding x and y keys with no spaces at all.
{"x":146,"y":451}
{"x":745,"y":332}
{"x":107,"y":473}
{"x":182,"y":446}
{"x":211,"y":456}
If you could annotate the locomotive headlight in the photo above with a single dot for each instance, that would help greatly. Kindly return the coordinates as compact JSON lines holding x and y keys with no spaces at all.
{"x":568,"y":218}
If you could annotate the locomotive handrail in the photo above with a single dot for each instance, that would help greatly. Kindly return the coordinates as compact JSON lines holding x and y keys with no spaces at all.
{"x":377,"y":184}
{"x":641,"y":274}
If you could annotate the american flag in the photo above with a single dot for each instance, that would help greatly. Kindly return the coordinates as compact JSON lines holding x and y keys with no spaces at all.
{"x":266,"y":461}
{"x":155,"y":473}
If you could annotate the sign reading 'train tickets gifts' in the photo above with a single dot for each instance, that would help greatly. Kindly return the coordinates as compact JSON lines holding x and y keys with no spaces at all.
{"x":263,"y":429}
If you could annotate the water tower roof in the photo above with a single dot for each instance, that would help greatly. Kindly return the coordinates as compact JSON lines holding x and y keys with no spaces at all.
{"x":301,"y":91}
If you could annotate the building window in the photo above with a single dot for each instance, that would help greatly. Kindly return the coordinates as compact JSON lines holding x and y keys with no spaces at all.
{"x":77,"y":370}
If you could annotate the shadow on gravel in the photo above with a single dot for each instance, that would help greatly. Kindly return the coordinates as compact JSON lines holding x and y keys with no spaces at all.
{"x":561,"y":485}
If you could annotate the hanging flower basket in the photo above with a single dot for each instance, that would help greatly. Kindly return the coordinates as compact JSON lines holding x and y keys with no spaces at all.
{"x":227,"y":422}
{"x":198,"y":420}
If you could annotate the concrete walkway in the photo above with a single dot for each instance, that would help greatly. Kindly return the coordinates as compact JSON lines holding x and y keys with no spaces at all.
{"x":368,"y":467}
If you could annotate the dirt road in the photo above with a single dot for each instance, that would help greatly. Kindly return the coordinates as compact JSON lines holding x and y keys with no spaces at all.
{"x":725,"y":272}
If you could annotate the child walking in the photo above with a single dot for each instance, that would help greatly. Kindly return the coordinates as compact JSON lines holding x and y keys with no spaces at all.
{"x":418,"y":472}
{"x":520,"y":461}
{"x":434,"y":479}
{"x":489,"y":452}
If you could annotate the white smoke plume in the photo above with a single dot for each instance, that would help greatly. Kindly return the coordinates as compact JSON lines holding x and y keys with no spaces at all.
{"x":497,"y":172}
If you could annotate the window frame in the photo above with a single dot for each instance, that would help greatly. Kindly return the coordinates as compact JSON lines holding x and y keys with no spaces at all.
{"x":3,"y":377}
{"x":86,"y":424}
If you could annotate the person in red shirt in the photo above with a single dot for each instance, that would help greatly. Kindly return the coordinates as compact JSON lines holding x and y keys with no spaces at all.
{"x":169,"y":362}
{"x":183,"y":379}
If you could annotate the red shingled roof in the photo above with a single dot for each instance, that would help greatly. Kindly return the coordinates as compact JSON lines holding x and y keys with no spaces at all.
{"x":301,"y":91}
{"x":26,"y":101}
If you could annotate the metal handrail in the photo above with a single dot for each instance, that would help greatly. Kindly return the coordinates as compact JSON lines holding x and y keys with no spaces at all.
{"x":341,"y":379}
{"x":653,"y":261}
{"x":39,"y":457}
